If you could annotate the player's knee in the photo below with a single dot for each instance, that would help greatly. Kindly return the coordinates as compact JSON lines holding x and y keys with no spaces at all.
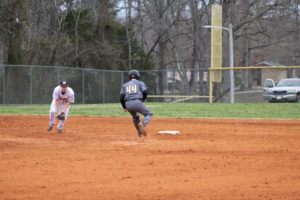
{"x":150,"y":114}
{"x":136,"y":119}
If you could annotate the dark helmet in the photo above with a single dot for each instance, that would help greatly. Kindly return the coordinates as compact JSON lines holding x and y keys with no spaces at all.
{"x":64,"y":83}
{"x":134,"y":74}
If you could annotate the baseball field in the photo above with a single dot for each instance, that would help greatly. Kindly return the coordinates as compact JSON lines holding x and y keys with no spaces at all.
{"x":223,"y":151}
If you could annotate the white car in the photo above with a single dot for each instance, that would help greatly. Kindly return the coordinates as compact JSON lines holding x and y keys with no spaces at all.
{"x":285,"y":90}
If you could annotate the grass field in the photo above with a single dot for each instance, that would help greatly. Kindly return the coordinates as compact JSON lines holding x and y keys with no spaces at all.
{"x":181,"y":110}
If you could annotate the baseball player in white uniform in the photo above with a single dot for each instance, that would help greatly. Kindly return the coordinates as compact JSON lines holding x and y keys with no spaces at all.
{"x":63,"y":96}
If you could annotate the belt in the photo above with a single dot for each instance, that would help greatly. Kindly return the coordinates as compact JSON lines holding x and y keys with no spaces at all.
{"x":133,"y":99}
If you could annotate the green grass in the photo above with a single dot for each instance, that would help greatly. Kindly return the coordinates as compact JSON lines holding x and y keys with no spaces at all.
{"x":182,"y":110}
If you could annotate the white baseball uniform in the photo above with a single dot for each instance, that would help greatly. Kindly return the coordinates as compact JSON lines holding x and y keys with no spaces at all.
{"x":68,"y":96}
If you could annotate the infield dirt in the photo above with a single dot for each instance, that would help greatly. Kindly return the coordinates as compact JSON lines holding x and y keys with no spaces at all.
{"x":102,"y":158}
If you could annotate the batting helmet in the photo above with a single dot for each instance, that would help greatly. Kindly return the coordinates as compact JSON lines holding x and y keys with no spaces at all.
{"x":134,"y":74}
{"x":64,"y":83}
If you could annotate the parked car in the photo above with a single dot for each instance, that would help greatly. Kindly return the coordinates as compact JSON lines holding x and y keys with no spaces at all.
{"x":284,"y":91}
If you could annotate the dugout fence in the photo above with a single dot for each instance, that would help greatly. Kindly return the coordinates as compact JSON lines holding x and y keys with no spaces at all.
{"x":28,"y":84}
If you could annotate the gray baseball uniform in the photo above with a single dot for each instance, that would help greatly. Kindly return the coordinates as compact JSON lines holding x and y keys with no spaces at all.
{"x":133,"y":93}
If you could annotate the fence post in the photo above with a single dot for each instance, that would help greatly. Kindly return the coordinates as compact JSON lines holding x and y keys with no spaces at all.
{"x":30,"y":85}
{"x":103,"y":87}
{"x":211,"y":85}
{"x":83,"y":86}
{"x":173,"y":81}
{"x":3,"y":76}
{"x":122,"y":78}
{"x":167,"y":84}
{"x":58,"y":76}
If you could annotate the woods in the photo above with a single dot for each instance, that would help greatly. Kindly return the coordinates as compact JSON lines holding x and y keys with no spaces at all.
{"x":145,"y":34}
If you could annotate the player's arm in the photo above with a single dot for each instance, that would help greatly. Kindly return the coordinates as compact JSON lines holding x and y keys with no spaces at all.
{"x":66,"y":106}
{"x":122,"y":100}
{"x":144,"y":95}
{"x":70,"y":100}
{"x":58,"y":106}
{"x":55,"y":96}
{"x":144,"y":91}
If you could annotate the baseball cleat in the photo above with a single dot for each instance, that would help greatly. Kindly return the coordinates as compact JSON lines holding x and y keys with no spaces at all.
{"x":140,"y":134}
{"x":60,"y":131}
{"x":143,"y":129}
{"x":50,"y":127}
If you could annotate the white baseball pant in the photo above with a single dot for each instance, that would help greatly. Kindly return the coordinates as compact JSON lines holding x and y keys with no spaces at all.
{"x":53,"y":110}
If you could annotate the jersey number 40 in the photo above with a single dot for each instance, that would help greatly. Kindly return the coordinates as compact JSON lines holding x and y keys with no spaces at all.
{"x":131,"y":89}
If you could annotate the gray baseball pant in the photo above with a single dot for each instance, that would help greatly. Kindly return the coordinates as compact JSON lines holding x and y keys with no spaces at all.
{"x":135,"y":107}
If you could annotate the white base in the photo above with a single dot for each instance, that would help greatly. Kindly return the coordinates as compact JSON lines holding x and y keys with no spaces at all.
{"x":169,"y":132}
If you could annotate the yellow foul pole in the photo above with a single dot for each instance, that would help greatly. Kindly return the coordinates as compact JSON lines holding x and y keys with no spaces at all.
{"x":216,"y":47}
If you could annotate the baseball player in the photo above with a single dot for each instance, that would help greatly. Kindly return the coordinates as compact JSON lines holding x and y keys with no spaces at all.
{"x":131,"y":96}
{"x":63,"y":96}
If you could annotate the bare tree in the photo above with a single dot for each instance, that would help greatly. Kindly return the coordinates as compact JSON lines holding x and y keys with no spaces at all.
{"x":251,"y":31}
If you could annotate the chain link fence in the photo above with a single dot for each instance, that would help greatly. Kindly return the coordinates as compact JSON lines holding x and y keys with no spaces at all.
{"x":23,"y":84}
{"x":26,"y":85}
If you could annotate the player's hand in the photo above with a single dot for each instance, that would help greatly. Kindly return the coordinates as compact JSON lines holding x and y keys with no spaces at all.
{"x":61,"y":116}
{"x":125,"y":110}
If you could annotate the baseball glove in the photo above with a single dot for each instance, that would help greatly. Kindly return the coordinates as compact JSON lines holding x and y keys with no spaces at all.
{"x":61,"y":116}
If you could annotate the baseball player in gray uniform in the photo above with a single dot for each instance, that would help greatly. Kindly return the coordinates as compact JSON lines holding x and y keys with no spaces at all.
{"x":131,"y":96}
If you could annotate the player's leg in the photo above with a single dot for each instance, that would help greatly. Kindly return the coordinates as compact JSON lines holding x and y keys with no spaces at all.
{"x":62,"y":122}
{"x":130,"y":106}
{"x":53,"y":110}
{"x":146,"y":112}
{"x":136,"y":121}
{"x":141,"y":108}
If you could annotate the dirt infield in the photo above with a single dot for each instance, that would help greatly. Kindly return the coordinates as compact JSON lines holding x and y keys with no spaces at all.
{"x":102,"y":158}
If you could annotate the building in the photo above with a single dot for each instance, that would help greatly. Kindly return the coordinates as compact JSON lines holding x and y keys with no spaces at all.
{"x":260,"y":75}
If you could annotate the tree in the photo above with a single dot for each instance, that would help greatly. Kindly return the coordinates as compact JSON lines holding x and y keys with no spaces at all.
{"x":251,"y":29}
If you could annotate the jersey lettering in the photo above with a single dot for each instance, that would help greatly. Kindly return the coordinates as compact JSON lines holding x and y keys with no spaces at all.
{"x":131,"y":89}
{"x":64,"y":100}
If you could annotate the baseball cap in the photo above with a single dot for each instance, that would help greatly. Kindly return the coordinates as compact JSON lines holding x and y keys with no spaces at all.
{"x":64,"y":83}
